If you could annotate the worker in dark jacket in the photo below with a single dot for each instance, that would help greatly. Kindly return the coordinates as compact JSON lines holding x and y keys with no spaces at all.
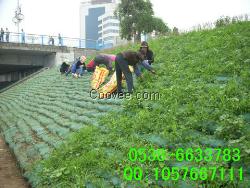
{"x":122,"y":62}
{"x":149,"y":53}
{"x":64,"y":68}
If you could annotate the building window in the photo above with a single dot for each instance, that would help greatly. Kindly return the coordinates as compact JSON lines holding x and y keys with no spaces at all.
{"x":108,"y":38}
{"x":96,"y":2}
{"x":111,"y":24}
{"x":110,"y":31}
{"x":109,"y":18}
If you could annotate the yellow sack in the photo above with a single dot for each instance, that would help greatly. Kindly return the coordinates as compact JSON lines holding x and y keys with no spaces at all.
{"x":99,"y":77}
{"x":111,"y":86}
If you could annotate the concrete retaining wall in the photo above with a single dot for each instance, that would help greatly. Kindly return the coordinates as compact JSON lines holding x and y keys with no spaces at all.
{"x":34,"y":56}
{"x":15,"y":76}
{"x":39,"y":55}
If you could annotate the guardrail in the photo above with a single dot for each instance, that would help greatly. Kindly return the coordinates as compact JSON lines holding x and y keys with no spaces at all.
{"x":49,"y":40}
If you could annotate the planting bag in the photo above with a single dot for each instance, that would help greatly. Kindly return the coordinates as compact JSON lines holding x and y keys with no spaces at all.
{"x":98,"y":77}
{"x":111,"y":86}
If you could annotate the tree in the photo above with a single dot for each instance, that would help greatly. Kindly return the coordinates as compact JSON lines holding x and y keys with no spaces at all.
{"x":176,"y":31}
{"x":159,"y":26}
{"x":137,"y":17}
{"x":223,"y":21}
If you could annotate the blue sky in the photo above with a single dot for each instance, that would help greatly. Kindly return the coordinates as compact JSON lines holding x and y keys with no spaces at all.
{"x":51,"y":17}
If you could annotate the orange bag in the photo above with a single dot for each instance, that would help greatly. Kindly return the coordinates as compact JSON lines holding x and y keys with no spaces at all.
{"x":99,"y":77}
{"x":111,"y":86}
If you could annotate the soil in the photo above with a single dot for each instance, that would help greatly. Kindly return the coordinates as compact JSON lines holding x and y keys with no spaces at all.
{"x":10,"y":175}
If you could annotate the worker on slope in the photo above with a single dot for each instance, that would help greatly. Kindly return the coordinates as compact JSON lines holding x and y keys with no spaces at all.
{"x":148,"y":53}
{"x":122,"y":62}
{"x":64,"y":68}
{"x":78,"y":67}
{"x":105,"y":59}
{"x":149,"y":56}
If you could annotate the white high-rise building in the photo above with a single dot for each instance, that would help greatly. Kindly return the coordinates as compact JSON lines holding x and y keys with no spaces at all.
{"x":108,"y":30}
{"x":98,"y":24}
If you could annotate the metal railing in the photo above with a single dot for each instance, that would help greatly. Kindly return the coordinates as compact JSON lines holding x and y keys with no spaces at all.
{"x":46,"y":40}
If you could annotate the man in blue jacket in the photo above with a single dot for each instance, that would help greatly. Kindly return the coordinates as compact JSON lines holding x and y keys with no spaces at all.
{"x":78,"y":66}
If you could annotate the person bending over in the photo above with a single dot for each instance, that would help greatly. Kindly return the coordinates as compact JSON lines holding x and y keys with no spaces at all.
{"x":105,"y":59}
{"x":122,"y":62}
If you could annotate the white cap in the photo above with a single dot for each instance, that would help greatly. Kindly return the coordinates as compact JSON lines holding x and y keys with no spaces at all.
{"x":83,"y":58}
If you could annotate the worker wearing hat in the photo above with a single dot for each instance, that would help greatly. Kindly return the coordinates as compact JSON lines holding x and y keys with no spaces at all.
{"x":149,"y":59}
{"x":149,"y":53}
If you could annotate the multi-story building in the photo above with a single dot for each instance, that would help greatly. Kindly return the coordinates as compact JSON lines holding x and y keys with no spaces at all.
{"x":98,"y":24}
{"x":108,"y":30}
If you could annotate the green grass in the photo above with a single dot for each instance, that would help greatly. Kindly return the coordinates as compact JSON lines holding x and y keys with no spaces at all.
{"x":203,"y":78}
{"x":39,"y":114}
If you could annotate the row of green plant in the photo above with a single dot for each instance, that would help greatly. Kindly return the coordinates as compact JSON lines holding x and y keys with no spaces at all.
{"x":39,"y":114}
{"x":203,"y":79}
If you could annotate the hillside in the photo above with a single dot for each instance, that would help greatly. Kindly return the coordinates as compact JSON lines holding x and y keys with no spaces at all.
{"x":203,"y":79}
{"x":40,"y":113}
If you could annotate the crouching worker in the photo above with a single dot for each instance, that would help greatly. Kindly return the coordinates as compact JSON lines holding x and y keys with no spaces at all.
{"x":78,"y":67}
{"x":105,"y":59}
{"x":64,"y":68}
{"x":149,"y":55}
{"x":122,"y":62}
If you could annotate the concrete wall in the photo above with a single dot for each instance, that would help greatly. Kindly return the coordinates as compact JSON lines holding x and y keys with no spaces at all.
{"x":33,"y":47}
{"x":19,"y":59}
{"x":14,"y":58}
{"x":39,"y":55}
{"x":15,"y":76}
{"x":58,"y":58}
{"x":87,"y":52}
{"x":61,"y":57}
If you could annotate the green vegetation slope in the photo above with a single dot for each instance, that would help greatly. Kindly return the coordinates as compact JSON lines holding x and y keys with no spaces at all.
{"x":203,"y":79}
{"x":37,"y":115}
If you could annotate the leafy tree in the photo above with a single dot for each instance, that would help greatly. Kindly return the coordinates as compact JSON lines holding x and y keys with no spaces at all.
{"x":137,"y":17}
{"x":223,"y":21}
{"x":175,"y":31}
{"x":159,"y":26}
